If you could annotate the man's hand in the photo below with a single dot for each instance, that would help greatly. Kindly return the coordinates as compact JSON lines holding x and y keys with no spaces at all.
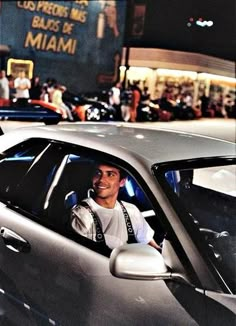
{"x":154,"y":245}
{"x":22,"y":87}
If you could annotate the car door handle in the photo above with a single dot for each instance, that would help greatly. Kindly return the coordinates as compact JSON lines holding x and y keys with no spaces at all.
{"x":13,"y":241}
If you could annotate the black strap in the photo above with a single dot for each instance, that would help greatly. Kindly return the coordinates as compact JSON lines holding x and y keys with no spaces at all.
{"x":99,"y":233}
{"x":130,"y":230}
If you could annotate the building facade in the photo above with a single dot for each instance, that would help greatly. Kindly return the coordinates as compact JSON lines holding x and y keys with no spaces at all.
{"x":78,"y":43}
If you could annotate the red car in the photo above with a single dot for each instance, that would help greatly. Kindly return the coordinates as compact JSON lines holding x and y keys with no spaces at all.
{"x":27,"y":109}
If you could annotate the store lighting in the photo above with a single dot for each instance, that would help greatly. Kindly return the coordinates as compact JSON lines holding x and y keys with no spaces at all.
{"x":177,"y":73}
{"x":140,"y":70}
{"x":140,"y":73}
{"x":204,"y":75}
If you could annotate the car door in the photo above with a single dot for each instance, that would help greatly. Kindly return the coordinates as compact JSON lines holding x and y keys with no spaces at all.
{"x":61,"y":282}
{"x":36,"y":262}
{"x":203,"y":195}
{"x":50,"y":276}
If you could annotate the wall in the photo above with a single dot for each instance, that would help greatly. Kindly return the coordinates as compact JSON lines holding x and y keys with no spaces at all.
{"x":79,"y":43}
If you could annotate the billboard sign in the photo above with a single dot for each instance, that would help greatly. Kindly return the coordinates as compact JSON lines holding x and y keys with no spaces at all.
{"x":66,"y":40}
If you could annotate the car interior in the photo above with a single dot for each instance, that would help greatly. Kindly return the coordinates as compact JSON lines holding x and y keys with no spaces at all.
{"x":48,"y":189}
{"x":210,"y":208}
{"x":75,"y":184}
{"x":213,"y":212}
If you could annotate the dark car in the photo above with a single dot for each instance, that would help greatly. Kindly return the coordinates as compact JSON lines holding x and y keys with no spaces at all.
{"x":86,"y":108}
{"x":185,"y":187}
{"x":147,"y":111}
{"x":30,"y":110}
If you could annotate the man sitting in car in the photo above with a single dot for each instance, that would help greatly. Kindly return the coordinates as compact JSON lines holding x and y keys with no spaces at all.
{"x":105,"y":219}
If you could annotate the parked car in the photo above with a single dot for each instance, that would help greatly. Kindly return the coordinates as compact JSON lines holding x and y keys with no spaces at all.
{"x":30,"y":110}
{"x":147,"y":111}
{"x":88,"y":108}
{"x":185,"y":187}
{"x":151,"y":111}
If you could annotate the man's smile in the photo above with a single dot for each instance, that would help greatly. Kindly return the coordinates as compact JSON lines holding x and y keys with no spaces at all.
{"x":101,"y":186}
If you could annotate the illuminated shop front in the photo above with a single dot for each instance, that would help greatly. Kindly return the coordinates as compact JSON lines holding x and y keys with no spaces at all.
{"x":180,"y":73}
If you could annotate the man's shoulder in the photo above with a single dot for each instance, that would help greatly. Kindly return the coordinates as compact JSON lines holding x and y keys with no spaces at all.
{"x":83,"y":205}
{"x":78,"y":209}
{"x":81,"y":213}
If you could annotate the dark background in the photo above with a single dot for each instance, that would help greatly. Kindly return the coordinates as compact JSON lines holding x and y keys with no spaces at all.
{"x":165,"y":26}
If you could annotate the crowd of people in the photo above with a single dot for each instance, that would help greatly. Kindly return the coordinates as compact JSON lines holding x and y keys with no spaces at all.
{"x":128,"y":103}
{"x":125,"y":101}
{"x":24,"y":88}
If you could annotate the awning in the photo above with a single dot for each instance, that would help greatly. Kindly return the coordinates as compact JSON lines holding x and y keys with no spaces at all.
{"x":4,"y":49}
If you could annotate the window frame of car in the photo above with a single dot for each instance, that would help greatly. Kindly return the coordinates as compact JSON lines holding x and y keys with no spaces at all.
{"x":17,"y":152}
{"x":136,"y":175}
{"x":160,"y":171}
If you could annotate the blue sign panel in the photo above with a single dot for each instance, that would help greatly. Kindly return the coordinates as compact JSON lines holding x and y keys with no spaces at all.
{"x":77,"y":42}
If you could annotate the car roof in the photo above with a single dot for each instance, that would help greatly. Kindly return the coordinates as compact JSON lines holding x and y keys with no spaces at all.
{"x":131,"y":142}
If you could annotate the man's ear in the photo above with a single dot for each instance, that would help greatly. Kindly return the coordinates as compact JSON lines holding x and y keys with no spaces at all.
{"x":122,"y":182}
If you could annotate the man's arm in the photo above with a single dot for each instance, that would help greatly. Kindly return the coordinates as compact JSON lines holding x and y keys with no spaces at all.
{"x":144,"y":231}
{"x":82,"y":222}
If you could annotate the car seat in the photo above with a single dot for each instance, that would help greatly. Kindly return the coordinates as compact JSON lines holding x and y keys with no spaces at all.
{"x":72,"y":187}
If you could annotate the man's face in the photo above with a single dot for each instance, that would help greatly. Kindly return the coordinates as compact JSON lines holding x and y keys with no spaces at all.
{"x":22,"y":74}
{"x":106,"y":181}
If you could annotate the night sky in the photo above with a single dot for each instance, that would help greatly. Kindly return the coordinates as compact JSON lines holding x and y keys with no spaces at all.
{"x":166,"y":26}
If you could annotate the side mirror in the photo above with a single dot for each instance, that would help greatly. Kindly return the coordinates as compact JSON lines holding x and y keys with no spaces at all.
{"x":138,"y":261}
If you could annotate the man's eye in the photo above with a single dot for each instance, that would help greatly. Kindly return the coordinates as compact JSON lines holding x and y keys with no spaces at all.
{"x":97,"y":174}
{"x":111,"y":174}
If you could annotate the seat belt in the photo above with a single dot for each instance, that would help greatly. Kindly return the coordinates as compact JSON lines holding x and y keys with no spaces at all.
{"x":130,"y":230}
{"x":99,"y":233}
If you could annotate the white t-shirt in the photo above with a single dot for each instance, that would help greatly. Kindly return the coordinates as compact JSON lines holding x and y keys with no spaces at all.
{"x":112,"y":222}
{"x":4,"y":88}
{"x":57,"y":98}
{"x":22,"y":93}
{"x":115,"y":96}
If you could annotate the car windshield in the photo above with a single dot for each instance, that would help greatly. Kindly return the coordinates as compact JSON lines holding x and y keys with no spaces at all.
{"x":206,"y":197}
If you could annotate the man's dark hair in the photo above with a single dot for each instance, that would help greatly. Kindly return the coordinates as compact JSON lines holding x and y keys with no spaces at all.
{"x":123,"y":174}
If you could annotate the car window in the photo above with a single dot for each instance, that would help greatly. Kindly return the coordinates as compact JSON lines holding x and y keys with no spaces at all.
{"x":73,"y":183}
{"x":208,"y":195}
{"x":76,"y":177}
{"x":50,"y":178}
{"x":14,"y":164}
{"x":32,"y":192}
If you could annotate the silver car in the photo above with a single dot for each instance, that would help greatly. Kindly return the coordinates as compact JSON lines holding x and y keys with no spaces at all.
{"x":185,"y":187}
